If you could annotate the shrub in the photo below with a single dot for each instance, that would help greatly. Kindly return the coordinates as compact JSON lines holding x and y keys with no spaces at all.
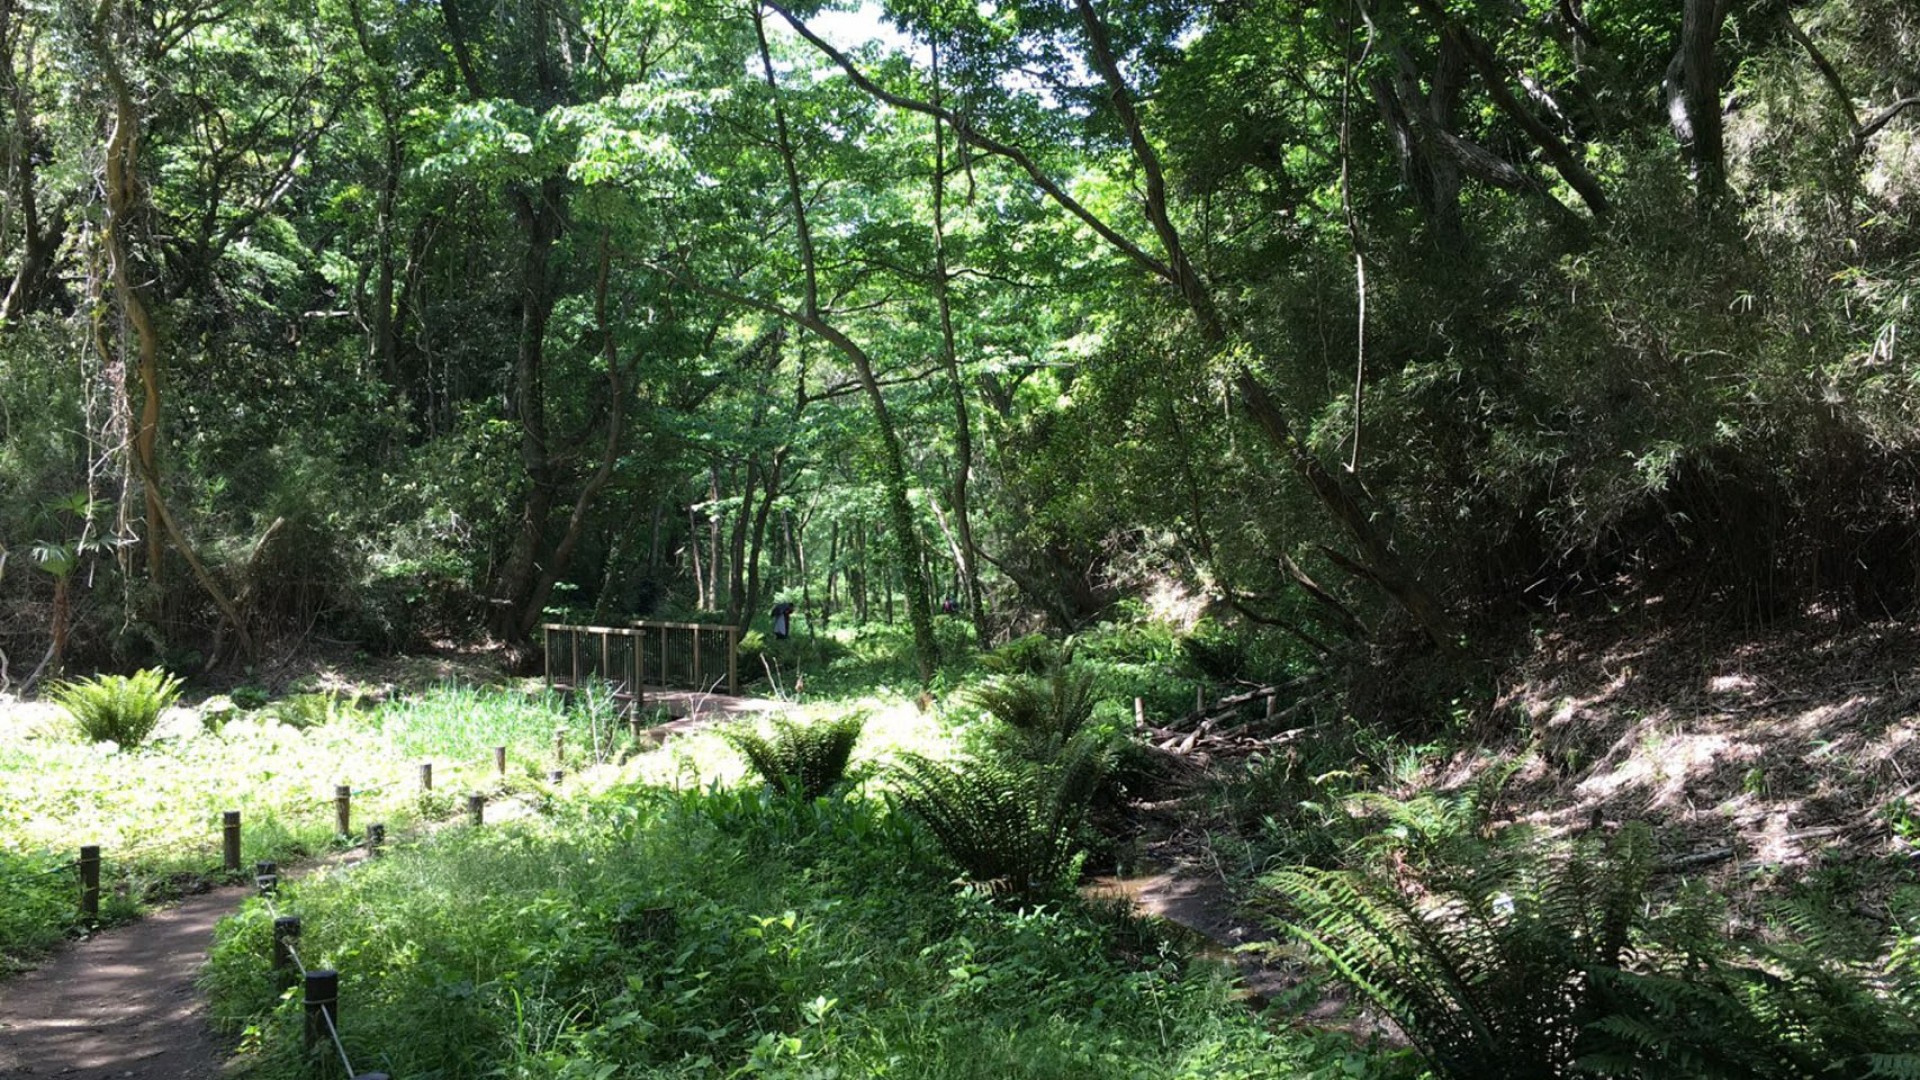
{"x":1029,"y":655}
{"x":1012,"y":825}
{"x":1045,"y":712}
{"x":121,"y":709}
{"x":303,"y":711}
{"x":1830,"y":1002}
{"x":806,"y":761}
{"x":1495,"y":976}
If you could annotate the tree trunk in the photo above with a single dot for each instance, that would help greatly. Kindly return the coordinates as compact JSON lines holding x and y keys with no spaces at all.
{"x":539,"y":214}
{"x":772,"y":486}
{"x":833,"y":568}
{"x":1692,"y":88}
{"x":39,"y":241}
{"x":964,"y":550}
{"x":562,"y":556}
{"x":122,"y":190}
{"x":713,"y":539}
{"x":693,"y":545}
{"x":737,"y":544}
{"x":893,"y":457}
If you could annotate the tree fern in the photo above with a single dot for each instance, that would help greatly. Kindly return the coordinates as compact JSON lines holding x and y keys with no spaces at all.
{"x":806,"y":761}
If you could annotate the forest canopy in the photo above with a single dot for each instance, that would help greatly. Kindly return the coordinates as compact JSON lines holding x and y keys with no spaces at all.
{"x":1368,"y":321}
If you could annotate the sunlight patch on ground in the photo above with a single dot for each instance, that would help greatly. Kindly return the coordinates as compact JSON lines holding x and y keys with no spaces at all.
{"x":1665,"y":767}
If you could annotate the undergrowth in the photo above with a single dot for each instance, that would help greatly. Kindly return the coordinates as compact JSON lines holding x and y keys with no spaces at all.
{"x":731,"y":933}
{"x":155,"y":808}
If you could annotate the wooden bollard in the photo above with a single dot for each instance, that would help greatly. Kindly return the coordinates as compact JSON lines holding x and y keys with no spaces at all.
{"x":266,"y":877}
{"x":343,"y":810}
{"x":1199,"y":699}
{"x":426,"y":776}
{"x":560,"y":746}
{"x":376,"y":836}
{"x":555,"y":776}
{"x":1139,"y":715}
{"x":1273,"y":707}
{"x":477,"y":808}
{"x":286,"y":931}
{"x":90,"y":882}
{"x":230,"y":840}
{"x":633,"y":725}
{"x":323,"y":1007}
{"x":500,"y":761}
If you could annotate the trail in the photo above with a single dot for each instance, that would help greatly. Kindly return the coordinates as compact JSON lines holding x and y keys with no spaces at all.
{"x":123,"y":1004}
{"x":120,"y":1004}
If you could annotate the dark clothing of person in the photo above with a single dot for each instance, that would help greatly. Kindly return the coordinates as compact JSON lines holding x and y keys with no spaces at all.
{"x":782,"y":619}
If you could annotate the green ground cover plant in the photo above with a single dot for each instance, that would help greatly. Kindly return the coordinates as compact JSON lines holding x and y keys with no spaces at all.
{"x":719,"y":932}
{"x":120,"y":709}
{"x":155,"y":807}
{"x":805,"y":761}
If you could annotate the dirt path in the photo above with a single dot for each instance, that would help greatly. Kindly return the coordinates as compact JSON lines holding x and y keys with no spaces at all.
{"x":122,"y":1004}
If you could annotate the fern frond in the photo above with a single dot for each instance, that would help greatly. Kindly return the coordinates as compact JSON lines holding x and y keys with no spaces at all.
{"x":803,"y":761}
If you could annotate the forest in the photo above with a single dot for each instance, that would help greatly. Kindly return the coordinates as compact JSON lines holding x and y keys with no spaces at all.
{"x":1450,"y":467}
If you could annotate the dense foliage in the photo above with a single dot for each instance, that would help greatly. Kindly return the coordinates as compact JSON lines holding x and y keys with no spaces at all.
{"x":381,"y":320}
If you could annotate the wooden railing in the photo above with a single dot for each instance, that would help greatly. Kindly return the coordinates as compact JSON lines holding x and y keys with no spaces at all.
{"x":695,"y":656}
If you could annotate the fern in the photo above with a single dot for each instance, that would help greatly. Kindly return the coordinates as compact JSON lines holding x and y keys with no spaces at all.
{"x":1047,"y":711}
{"x":1832,"y":1002}
{"x":803,"y":761}
{"x":1495,"y":977}
{"x":121,"y":709}
{"x":1010,"y":824}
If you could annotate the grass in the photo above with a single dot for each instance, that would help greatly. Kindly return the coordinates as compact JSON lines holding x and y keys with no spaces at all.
{"x":155,"y":810}
{"x":720,"y":932}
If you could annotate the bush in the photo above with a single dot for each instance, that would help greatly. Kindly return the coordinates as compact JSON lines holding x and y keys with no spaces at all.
{"x":804,"y":761}
{"x":303,"y":711}
{"x":1496,"y":975}
{"x":1831,"y":1002}
{"x":1012,"y":825}
{"x":121,"y":709}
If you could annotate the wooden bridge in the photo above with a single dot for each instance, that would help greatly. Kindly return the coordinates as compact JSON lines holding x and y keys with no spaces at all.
{"x":692,"y":656}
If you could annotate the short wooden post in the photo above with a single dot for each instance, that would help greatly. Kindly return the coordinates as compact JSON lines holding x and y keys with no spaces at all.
{"x":1273,"y":707}
{"x":1199,"y":700}
{"x":733,"y":661}
{"x":500,"y":761}
{"x":323,"y":1007}
{"x":634,"y":725}
{"x":230,"y":840}
{"x":266,"y":877}
{"x":426,"y":776}
{"x":477,"y":808}
{"x":555,"y":776}
{"x":286,"y":931}
{"x":560,"y":746}
{"x":1139,"y":715}
{"x":343,"y":810}
{"x":376,"y":836}
{"x":90,"y":882}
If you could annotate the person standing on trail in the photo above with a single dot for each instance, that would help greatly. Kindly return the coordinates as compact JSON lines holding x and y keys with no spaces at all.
{"x":782,"y":619}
